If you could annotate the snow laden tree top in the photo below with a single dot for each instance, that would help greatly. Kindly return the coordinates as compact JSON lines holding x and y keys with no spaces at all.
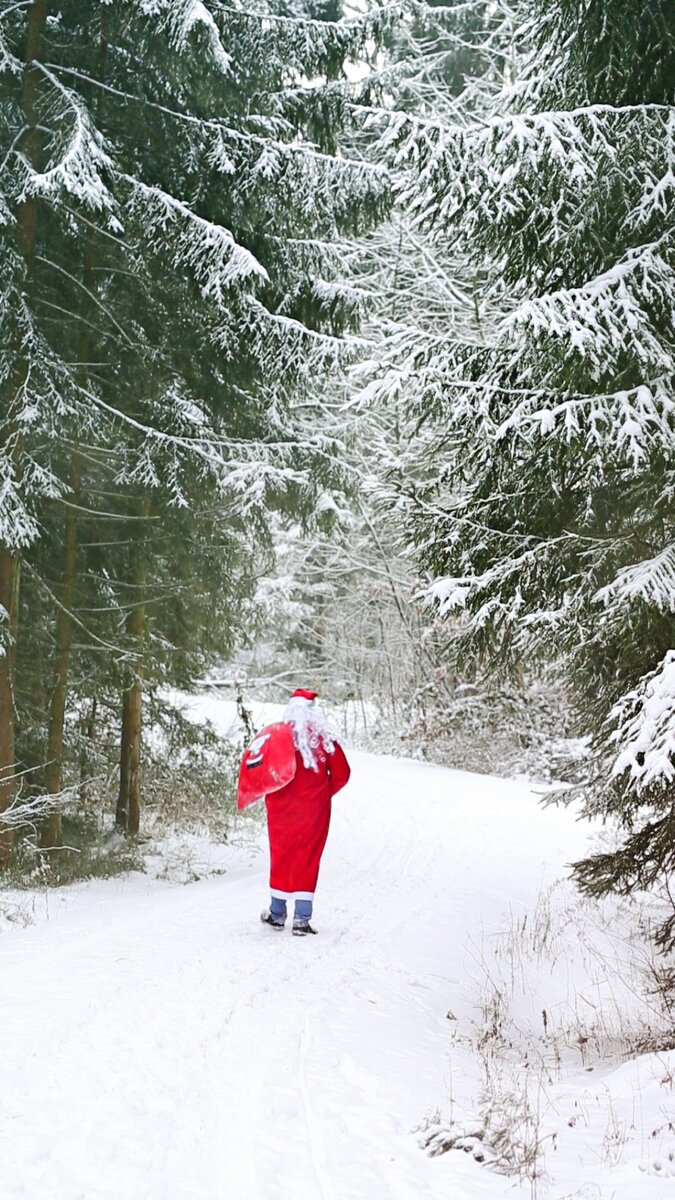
{"x":172,"y":132}
{"x":546,"y":511}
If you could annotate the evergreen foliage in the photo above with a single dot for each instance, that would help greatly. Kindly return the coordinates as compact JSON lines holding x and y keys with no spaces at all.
{"x":171,"y":206}
{"x":545,"y":514}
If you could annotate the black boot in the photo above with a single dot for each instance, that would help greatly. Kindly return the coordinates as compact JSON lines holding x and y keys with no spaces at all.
{"x":301,"y":927}
{"x":267,"y":919}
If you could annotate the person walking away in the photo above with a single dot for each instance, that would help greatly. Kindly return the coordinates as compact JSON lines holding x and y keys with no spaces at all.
{"x":298,"y":815}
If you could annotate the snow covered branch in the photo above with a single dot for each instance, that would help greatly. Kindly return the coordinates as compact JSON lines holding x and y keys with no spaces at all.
{"x":622,"y":307}
{"x":207,"y":249}
{"x":644,"y":727}
{"x":28,"y":814}
{"x":651,"y":581}
{"x":84,"y":160}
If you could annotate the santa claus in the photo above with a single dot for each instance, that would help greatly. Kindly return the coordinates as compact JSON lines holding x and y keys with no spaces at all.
{"x":298,"y":813}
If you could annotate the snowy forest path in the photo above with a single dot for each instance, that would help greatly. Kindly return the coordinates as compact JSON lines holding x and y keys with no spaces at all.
{"x":162,"y":1043}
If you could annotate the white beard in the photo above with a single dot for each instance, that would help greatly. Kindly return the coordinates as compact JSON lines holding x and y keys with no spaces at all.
{"x":311,"y":729}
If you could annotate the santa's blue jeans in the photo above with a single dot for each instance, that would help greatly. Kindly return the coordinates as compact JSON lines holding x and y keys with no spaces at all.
{"x":303,"y":909}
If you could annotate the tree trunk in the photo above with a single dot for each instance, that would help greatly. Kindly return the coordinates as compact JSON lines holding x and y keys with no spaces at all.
{"x":127,"y":816}
{"x":27,"y":211}
{"x":8,"y":580}
{"x":128,"y":813}
{"x":26,"y":231}
{"x":51,"y":828}
{"x":88,"y":736}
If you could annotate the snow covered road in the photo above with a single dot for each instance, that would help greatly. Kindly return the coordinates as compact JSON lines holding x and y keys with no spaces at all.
{"x":158,"y":1042}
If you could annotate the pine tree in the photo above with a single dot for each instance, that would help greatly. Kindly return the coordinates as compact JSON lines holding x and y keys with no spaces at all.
{"x":547,"y":517}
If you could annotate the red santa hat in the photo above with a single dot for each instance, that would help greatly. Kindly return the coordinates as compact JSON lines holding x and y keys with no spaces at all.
{"x":304,"y":694}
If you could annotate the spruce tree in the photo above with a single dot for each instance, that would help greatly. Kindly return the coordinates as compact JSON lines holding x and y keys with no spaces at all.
{"x":171,"y":201}
{"x":546,"y":517}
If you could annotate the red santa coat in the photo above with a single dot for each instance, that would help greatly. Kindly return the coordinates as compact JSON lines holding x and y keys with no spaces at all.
{"x":298,"y":817}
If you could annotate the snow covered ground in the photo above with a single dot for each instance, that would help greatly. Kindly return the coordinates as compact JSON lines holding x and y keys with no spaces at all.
{"x":157,"y":1042}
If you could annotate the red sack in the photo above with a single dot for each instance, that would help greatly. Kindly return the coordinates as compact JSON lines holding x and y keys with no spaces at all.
{"x":267,"y":765}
